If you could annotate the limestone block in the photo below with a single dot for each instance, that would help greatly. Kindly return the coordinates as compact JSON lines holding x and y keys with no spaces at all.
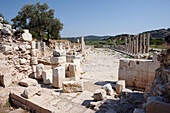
{"x":153,"y":66}
{"x":5,"y":48}
{"x":33,"y":45}
{"x":47,"y":76}
{"x":99,"y":94}
{"x":74,"y":70}
{"x":28,"y":82}
{"x":108,"y":89}
{"x":33,"y":53}
{"x":1,"y":19}
{"x":5,"y":80}
{"x":6,"y":30}
{"x":45,"y":61}
{"x":140,"y":84}
{"x":72,"y":86}
{"x":28,"y":47}
{"x":122,"y":74}
{"x":39,"y":69}
{"x":47,"y":67}
{"x":58,"y":60}
{"x":58,"y":76}
{"x":30,"y":91}
{"x":59,"y":53}
{"x":132,"y":64}
{"x":151,"y":76}
{"x":119,"y":86}
{"x":22,"y":61}
{"x":139,"y":75}
{"x":157,"y":106}
{"x":34,"y":68}
{"x":145,"y":76}
{"x":26,"y":36}
{"x":144,"y":65}
{"x":34,"y":61}
{"x":1,"y":26}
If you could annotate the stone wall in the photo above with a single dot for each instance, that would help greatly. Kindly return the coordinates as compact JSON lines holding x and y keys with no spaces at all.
{"x":158,"y":98}
{"x":137,"y":72}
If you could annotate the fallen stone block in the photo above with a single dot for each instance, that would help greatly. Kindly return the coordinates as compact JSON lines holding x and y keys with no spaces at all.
{"x":108,"y":89}
{"x":72,"y":86}
{"x":5,"y":48}
{"x":119,"y":86}
{"x":47,"y":76}
{"x":99,"y":94}
{"x":125,"y":91}
{"x":39,"y":69}
{"x":58,"y":60}
{"x":28,"y":82}
{"x":93,"y":104}
{"x":155,"y":105}
{"x":58,"y":76}
{"x":59,"y":53}
{"x":5,"y":80}
{"x":30,"y":91}
{"x":23,"y":61}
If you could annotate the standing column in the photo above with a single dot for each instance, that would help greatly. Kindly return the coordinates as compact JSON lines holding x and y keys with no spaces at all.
{"x":137,"y":49}
{"x":126,"y":49}
{"x":82,"y":45}
{"x":147,"y":42}
{"x":140,"y":44}
{"x":114,"y":44}
{"x":129,"y":44}
{"x":143,"y":51}
{"x":132,"y":45}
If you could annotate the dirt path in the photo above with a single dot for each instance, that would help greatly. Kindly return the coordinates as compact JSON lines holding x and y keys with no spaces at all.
{"x":101,"y":65}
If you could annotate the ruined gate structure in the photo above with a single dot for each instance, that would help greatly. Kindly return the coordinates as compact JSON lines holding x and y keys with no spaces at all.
{"x":134,"y":46}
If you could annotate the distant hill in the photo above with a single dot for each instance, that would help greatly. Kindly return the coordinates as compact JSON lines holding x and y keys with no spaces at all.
{"x":161,"y":33}
{"x":155,"y":34}
{"x":87,"y":38}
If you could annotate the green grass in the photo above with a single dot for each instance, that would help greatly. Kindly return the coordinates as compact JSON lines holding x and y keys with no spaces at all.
{"x":157,"y":46}
{"x":129,"y":57}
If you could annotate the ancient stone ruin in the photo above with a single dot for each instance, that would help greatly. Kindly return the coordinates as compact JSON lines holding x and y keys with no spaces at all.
{"x":68,"y":77}
{"x":134,"y":46}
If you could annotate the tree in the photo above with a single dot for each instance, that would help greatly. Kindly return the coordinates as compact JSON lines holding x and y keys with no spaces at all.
{"x":38,"y":19}
{"x":4,"y":21}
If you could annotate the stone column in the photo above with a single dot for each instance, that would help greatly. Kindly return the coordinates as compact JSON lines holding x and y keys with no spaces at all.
{"x":129,"y":44}
{"x":126,"y":49}
{"x":82,"y":45}
{"x":143,"y":50}
{"x":132,"y":48}
{"x":38,"y":46}
{"x":134,"y":45}
{"x":137,"y":49}
{"x":140,"y":43}
{"x":43,"y":48}
{"x":147,"y":42}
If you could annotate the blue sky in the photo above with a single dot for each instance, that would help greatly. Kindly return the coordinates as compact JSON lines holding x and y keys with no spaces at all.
{"x":101,"y":17}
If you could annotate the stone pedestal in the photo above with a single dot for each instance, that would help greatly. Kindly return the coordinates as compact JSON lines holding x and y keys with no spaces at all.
{"x":58,"y":76}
